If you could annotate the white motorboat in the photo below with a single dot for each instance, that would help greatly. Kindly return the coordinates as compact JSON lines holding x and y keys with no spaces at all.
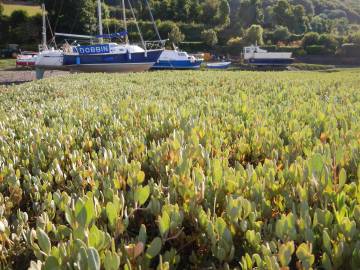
{"x":175,"y":59}
{"x":254,"y":55}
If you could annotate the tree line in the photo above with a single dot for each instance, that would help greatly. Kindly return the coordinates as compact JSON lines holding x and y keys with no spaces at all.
{"x":231,"y":23}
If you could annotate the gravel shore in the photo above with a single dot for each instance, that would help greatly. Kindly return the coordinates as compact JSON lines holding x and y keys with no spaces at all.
{"x":8,"y":77}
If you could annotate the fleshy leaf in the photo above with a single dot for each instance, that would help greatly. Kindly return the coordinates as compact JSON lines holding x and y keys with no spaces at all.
{"x":154,"y":248}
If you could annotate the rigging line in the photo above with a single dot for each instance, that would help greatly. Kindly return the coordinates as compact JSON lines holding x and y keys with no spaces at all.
{"x":74,"y":23}
{"x":106,"y":21}
{"x":51,"y":32}
{"x":58,"y":14}
{"x":153,"y":21}
{"x":137,"y":25}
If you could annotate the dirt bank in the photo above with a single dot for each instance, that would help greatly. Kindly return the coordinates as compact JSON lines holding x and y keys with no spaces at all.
{"x":8,"y":77}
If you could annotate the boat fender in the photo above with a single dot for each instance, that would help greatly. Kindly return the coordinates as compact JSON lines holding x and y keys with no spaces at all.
{"x":145,"y":53}
{"x":78,"y":62}
{"x":129,"y":54}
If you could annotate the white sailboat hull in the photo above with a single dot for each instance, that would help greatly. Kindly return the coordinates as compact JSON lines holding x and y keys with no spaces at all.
{"x":50,"y":60}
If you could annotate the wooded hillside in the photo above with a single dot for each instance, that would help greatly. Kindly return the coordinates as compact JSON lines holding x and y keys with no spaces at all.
{"x":211,"y":22}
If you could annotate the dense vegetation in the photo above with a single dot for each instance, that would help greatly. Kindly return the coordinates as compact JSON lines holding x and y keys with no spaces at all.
{"x":215,"y":170}
{"x":213,"y":23}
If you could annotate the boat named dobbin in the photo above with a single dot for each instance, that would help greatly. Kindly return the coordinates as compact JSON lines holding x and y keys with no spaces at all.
{"x":110,"y":57}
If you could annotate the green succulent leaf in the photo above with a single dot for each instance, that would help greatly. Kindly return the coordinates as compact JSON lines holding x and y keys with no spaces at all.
{"x":154,"y":248}
{"x":342,"y":179}
{"x":96,"y":238}
{"x":164,"y":224}
{"x":93,"y":259}
{"x":142,"y":234}
{"x":285,"y":253}
{"x":316,"y":163}
{"x":326,"y":262}
{"x":142,"y":194}
{"x":43,"y":240}
{"x":112,"y":261}
{"x":111,"y":213}
{"x":326,"y":241}
{"x":51,"y":263}
{"x":305,"y":256}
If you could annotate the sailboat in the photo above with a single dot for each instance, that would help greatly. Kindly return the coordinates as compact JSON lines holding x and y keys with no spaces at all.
{"x":48,"y":58}
{"x":103,"y":57}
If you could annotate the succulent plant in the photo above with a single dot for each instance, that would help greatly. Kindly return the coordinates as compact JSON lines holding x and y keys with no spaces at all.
{"x":170,"y":170}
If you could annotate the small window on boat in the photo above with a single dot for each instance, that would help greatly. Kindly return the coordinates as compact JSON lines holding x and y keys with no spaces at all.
{"x":181,"y":54}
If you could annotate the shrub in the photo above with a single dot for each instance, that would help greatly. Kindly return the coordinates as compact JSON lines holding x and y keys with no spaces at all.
{"x":355,"y":38}
{"x":193,"y":46}
{"x":165,"y":28}
{"x":281,"y":34}
{"x":175,"y":36}
{"x":300,"y":52}
{"x":209,"y":37}
{"x":329,"y":42}
{"x":311,"y":38}
{"x":235,"y":45}
{"x":254,"y":34}
{"x":192,"y":31}
{"x":316,"y":50}
{"x":295,"y":37}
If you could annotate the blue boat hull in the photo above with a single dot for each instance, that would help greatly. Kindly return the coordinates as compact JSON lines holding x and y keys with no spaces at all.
{"x":134,"y":62}
{"x":183,"y":64}
{"x":271,"y":62}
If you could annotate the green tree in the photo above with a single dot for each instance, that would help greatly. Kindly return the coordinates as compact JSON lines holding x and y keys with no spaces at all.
{"x":18,"y":24}
{"x":4,"y":27}
{"x":269,"y":21}
{"x":195,"y":10}
{"x":307,"y":4}
{"x":254,"y":35}
{"x":282,"y":13}
{"x":329,"y":42}
{"x":87,"y":18}
{"x":163,"y":9}
{"x":299,"y":19}
{"x":311,"y":38}
{"x":182,"y":10}
{"x":210,"y":12}
{"x":72,"y":16}
{"x":251,"y":12}
{"x":224,"y":13}
{"x":209,"y":37}
{"x":175,"y":35}
{"x":341,"y":26}
{"x":281,"y":33}
{"x":355,"y":38}
{"x":320,"y":25}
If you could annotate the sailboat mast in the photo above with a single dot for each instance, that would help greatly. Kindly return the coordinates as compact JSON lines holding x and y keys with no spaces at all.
{"x":44,"y":42}
{"x":100,"y":20}
{"x":124,"y":17}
